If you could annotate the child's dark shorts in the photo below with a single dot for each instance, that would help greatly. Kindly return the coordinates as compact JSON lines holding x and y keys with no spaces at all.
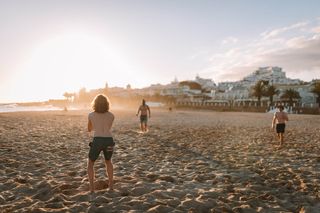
{"x":144,"y":119}
{"x":99,"y":144}
{"x":280,"y":128}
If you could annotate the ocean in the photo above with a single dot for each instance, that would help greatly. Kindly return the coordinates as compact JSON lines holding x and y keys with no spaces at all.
{"x":18,"y":108}
{"x":12,"y":107}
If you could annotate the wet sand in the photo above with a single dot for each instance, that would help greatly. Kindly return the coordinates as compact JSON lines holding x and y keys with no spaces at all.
{"x":188,"y":161}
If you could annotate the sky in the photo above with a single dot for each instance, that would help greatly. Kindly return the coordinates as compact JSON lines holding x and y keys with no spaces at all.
{"x":52,"y":47}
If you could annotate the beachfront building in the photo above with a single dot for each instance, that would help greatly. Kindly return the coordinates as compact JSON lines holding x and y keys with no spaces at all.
{"x":207,"y":84}
{"x":154,"y":89}
{"x":238,"y":93}
{"x":189,"y":88}
{"x":274,"y":75}
{"x":196,"y":91}
{"x":172,"y":89}
{"x":308,"y":99}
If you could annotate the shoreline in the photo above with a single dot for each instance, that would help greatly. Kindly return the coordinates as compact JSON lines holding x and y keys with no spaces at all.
{"x":174,"y":109}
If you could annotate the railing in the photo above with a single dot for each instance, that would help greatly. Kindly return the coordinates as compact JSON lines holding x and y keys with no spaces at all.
{"x":244,"y":106}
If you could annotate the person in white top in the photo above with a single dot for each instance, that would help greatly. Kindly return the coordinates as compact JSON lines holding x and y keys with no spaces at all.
{"x":100,"y":122}
{"x":280,"y":118}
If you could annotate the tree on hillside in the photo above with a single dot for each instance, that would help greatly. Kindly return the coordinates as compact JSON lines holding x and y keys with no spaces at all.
{"x":316,"y":91}
{"x":290,"y":95}
{"x":191,"y":84}
{"x":270,"y":92}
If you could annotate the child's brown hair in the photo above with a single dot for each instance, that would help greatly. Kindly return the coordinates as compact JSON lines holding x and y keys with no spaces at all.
{"x":100,"y":104}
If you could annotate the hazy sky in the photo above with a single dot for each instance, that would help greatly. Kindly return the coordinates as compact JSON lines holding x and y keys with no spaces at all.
{"x":49,"y":47}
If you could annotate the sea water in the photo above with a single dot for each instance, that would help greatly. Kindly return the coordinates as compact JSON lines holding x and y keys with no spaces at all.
{"x":18,"y":108}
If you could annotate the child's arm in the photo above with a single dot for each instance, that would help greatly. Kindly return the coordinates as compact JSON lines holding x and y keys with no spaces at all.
{"x":273,"y":121}
{"x":138,"y":111}
{"x":89,"y":126}
{"x":89,"y":129}
{"x":149,"y":111}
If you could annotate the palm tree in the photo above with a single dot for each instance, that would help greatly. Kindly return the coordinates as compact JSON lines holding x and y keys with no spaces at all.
{"x":68,"y":96}
{"x":259,"y":90}
{"x":291,"y":95}
{"x":316,"y":91}
{"x":270,"y":92}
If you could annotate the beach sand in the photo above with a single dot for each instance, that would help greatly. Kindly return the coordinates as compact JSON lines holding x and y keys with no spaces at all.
{"x":189,"y":161}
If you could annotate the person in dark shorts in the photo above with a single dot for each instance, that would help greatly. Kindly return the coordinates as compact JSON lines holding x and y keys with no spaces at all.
{"x":104,"y":144}
{"x":144,"y":111}
{"x":100,"y":122}
{"x":279,"y":123}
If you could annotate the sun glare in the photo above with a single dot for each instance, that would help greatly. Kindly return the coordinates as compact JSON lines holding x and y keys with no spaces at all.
{"x":67,"y":63}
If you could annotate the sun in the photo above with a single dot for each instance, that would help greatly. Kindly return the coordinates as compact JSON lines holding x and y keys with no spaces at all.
{"x":68,"y":62}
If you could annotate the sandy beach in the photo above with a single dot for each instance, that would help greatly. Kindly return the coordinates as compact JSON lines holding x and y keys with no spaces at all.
{"x":188,"y":162}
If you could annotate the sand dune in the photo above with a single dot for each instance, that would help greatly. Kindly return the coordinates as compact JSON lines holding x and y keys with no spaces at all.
{"x":188,"y":161}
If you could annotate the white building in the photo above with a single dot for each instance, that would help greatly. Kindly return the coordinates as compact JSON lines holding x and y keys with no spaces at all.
{"x":240,"y":91}
{"x":307,"y":97}
{"x":274,"y":75}
{"x":206,"y":84}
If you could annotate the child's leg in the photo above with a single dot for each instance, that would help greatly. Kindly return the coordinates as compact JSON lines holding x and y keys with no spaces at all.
{"x":281,"y":138}
{"x":91,"y":175}
{"x":109,"y":166}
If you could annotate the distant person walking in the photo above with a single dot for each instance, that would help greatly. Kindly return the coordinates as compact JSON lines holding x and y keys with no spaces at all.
{"x":100,"y":122}
{"x":279,"y":123}
{"x":144,"y":110}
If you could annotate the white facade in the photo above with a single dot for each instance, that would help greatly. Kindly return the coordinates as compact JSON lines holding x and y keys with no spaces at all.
{"x":240,"y":90}
{"x":274,"y":75}
{"x":234,"y":92}
{"x":206,"y":84}
{"x":307,"y":97}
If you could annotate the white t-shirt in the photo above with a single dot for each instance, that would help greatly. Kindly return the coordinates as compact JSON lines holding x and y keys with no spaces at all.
{"x":101,"y":123}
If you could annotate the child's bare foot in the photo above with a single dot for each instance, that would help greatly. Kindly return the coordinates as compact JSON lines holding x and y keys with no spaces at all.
{"x":110,"y":187}
{"x":279,"y":146}
{"x":92,"y":196}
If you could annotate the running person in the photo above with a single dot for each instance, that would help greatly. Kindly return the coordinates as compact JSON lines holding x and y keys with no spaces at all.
{"x":100,"y":122}
{"x":280,"y":118}
{"x":144,"y":110}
